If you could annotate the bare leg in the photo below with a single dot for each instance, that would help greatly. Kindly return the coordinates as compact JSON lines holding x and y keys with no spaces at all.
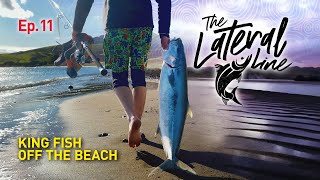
{"x":139,"y":100}
{"x":126,"y":99}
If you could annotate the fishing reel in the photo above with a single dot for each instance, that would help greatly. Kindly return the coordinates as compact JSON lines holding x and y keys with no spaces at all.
{"x":79,"y":54}
{"x":76,"y":54}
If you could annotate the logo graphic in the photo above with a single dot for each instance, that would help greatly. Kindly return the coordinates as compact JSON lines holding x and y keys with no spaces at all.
{"x":225,"y":75}
{"x":232,"y":41}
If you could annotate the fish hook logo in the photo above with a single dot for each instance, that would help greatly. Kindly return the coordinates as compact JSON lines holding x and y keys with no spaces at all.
{"x":225,"y":75}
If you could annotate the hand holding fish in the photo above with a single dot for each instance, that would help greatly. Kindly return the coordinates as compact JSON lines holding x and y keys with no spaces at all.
{"x":165,"y":42}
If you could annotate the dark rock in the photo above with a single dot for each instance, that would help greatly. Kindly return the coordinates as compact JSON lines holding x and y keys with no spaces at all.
{"x":125,"y":141}
{"x":103,"y":135}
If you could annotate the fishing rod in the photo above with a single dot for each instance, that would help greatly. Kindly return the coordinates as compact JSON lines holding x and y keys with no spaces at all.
{"x":85,"y":46}
{"x":102,"y":70}
{"x":60,"y":14}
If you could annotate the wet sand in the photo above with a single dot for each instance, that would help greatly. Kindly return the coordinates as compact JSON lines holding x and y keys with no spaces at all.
{"x":272,"y":136}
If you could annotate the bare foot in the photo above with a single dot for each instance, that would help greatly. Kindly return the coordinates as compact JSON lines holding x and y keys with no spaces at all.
{"x":134,"y":136}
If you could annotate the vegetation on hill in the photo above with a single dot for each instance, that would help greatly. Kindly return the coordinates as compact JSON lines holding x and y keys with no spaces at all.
{"x":37,"y":57}
{"x":47,"y":55}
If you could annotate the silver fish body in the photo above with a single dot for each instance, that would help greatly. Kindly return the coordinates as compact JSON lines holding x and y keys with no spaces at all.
{"x":174,"y":105}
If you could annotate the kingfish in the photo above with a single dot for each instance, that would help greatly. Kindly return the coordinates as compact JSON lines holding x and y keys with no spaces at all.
{"x":225,"y":75}
{"x":174,"y":105}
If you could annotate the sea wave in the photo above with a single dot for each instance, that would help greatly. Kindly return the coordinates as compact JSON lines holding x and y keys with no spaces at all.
{"x":31,"y":84}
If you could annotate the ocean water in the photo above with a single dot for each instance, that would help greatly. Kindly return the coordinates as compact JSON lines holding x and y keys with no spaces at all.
{"x":29,"y":98}
{"x":307,"y":88}
{"x":283,"y":86}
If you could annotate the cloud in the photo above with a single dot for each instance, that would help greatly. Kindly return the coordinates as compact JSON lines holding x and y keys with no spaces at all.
{"x":6,"y":4}
{"x":12,"y":49}
{"x":12,"y":9}
{"x":23,"y":1}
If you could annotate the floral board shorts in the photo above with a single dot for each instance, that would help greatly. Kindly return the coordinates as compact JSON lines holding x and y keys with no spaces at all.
{"x":127,"y":45}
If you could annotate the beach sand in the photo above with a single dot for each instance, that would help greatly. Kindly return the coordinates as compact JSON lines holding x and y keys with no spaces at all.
{"x":271,"y":136}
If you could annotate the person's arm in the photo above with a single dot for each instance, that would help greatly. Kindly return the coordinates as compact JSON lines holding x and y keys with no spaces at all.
{"x":164,"y":22}
{"x":164,"y":17}
{"x":81,"y":13}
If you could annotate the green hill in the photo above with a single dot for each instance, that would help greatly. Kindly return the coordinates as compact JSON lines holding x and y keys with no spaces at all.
{"x":36,"y":57}
{"x":47,"y":55}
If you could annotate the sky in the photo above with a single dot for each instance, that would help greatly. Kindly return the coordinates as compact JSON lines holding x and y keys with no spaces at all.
{"x":302,"y":34}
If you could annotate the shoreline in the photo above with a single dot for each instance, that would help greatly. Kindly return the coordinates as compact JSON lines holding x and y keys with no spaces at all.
{"x":79,"y":112}
{"x":211,"y":143}
{"x":217,"y":142}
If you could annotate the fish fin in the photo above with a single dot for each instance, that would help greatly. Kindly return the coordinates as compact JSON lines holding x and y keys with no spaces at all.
{"x":155,"y":171}
{"x":189,"y":112}
{"x":218,"y":66}
{"x":157,"y":131}
{"x":239,"y":79}
{"x":225,"y":101}
{"x":185,"y":167}
{"x":158,"y":89}
{"x":234,"y":96}
{"x":169,"y":164}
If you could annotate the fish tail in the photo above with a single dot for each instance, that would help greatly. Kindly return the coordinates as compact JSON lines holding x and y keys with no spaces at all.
{"x":185,"y":167}
{"x":234,"y":96}
{"x":169,"y":164}
{"x":189,"y":112}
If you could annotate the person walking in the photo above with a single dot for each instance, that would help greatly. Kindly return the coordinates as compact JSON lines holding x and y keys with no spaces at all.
{"x":128,"y":35}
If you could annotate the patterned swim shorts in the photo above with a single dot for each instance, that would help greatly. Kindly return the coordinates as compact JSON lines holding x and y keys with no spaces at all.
{"x":122,"y":44}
